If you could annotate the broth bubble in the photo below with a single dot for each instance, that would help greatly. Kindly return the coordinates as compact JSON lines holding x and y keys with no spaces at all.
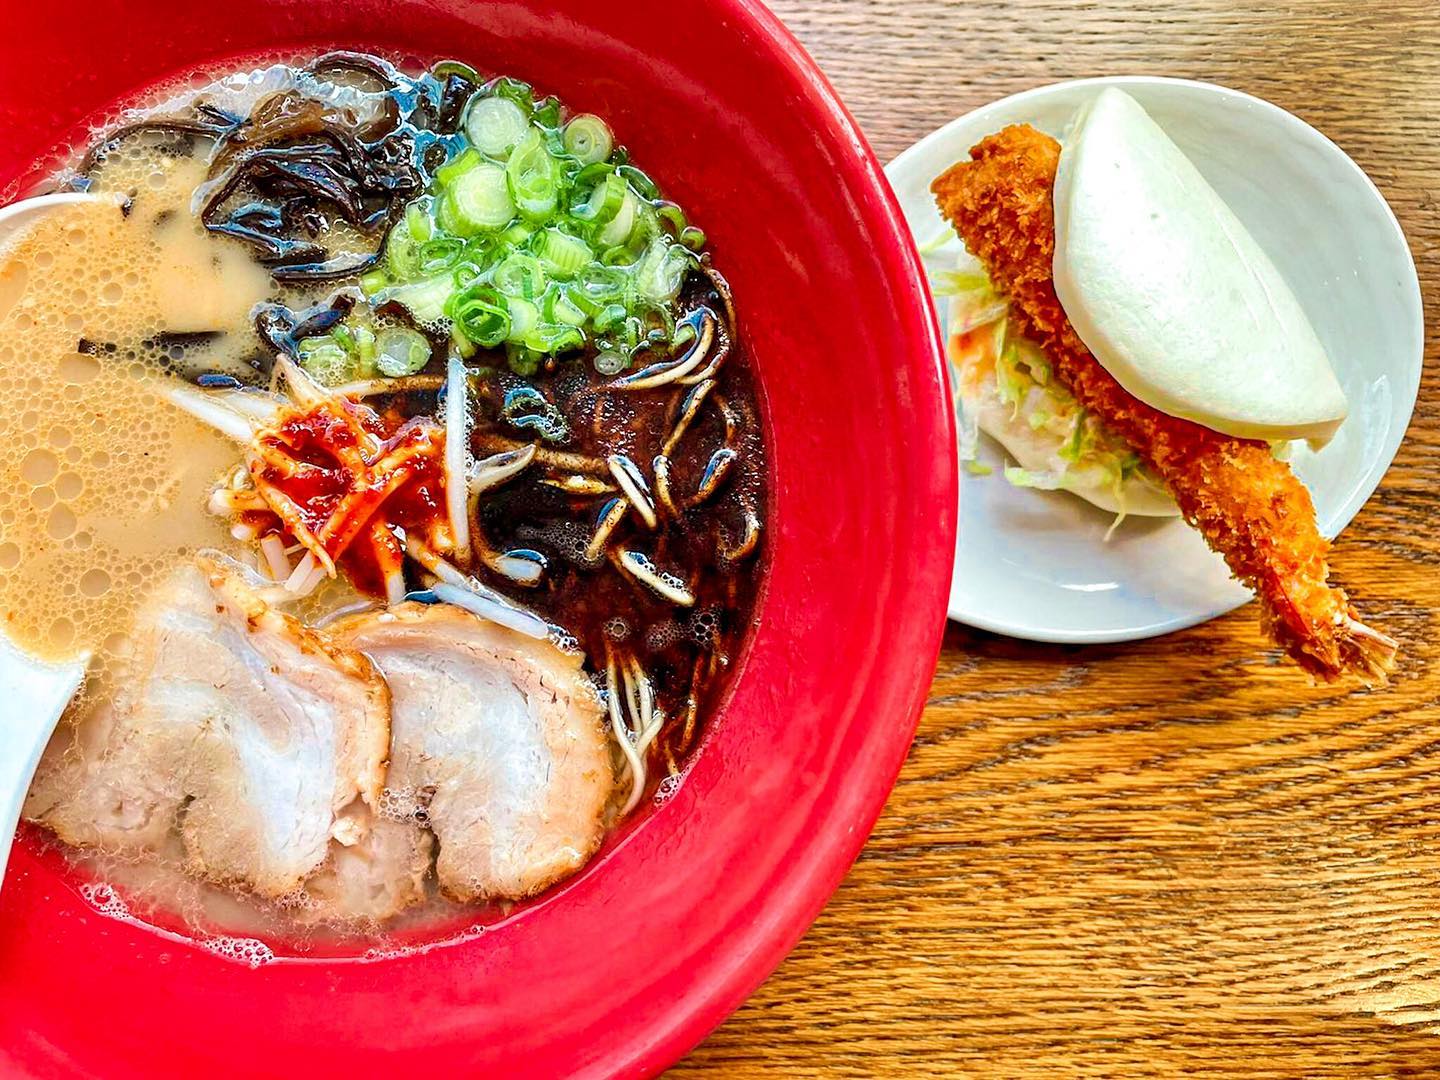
{"x":94,"y":583}
{"x":62,"y":522}
{"x":79,"y":367}
{"x":39,"y":467}
{"x":62,"y":633}
{"x":69,"y":485}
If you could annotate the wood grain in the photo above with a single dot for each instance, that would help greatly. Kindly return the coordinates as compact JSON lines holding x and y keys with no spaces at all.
{"x":1173,"y":857}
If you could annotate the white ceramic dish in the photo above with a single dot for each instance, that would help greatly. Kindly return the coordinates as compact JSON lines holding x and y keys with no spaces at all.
{"x":1037,"y":565}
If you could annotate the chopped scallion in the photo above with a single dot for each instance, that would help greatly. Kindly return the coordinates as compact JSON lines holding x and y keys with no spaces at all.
{"x":534,"y":177}
{"x":520,"y":275}
{"x":639,"y":181}
{"x":606,"y":199}
{"x":425,"y":298}
{"x":451,"y":171}
{"x":478,"y":199}
{"x":481,"y":314}
{"x":537,"y":235}
{"x":524,"y":316}
{"x":661,"y":271}
{"x":562,"y":255}
{"x":495,"y":126}
{"x":588,"y":139}
{"x":554,"y":338}
{"x":618,"y":228}
{"x":400,"y":351}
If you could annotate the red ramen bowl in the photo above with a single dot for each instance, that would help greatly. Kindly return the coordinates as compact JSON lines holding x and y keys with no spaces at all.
{"x":621,"y":970}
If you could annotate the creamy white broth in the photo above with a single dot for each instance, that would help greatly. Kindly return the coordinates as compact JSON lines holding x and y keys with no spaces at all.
{"x":102,"y":483}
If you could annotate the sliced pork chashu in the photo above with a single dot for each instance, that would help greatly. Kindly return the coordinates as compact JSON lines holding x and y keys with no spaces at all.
{"x":497,"y":740}
{"x":251,"y":731}
{"x":373,"y":879}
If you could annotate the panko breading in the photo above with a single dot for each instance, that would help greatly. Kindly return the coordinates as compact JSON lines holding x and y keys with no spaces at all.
{"x":1247,"y":504}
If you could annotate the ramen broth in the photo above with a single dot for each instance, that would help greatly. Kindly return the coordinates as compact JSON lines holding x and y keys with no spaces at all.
{"x":103,"y":484}
{"x":106,"y":487}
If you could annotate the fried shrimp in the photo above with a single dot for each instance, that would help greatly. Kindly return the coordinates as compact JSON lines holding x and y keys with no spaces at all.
{"x":1247,"y":504}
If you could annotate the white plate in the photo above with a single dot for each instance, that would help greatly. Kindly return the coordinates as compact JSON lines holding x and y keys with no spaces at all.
{"x":1035,"y":564}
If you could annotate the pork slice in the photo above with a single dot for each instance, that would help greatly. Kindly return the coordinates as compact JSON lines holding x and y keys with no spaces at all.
{"x":497,"y":740}
{"x":233,"y":721}
{"x":373,"y":879}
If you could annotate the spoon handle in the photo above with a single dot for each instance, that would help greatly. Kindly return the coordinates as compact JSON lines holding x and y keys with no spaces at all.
{"x":33,"y":695}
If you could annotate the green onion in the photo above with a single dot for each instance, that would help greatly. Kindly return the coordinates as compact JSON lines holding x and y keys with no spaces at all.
{"x":402,"y":253}
{"x":632,"y":331}
{"x":609,"y":316}
{"x":400,"y":351}
{"x":611,"y":362}
{"x":647,"y":226}
{"x":365,"y":349}
{"x":591,"y":175}
{"x":671,"y":215}
{"x":495,"y":125}
{"x":618,"y":228}
{"x":606,"y":199}
{"x":639,"y":181}
{"x":534,"y":177}
{"x":342,"y":335}
{"x":661,"y":271}
{"x":547,"y":113}
{"x":617,"y":256}
{"x":461,"y":344}
{"x":326,"y":360}
{"x":524,"y":316}
{"x":517,"y":234}
{"x":520,"y":275}
{"x":439,"y":253}
{"x":554,"y":338}
{"x":601,"y":285}
{"x":418,"y":222}
{"x":425,"y":298}
{"x":445,"y":68}
{"x":404,"y":247}
{"x":451,"y":171}
{"x":562,"y":255}
{"x":537,"y":235}
{"x":478,"y":199}
{"x":513,"y":90}
{"x":588,"y":139}
{"x":481,"y":314}
{"x":560,"y":308}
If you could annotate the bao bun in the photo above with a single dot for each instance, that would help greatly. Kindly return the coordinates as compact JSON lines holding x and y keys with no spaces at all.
{"x":1172,"y":295}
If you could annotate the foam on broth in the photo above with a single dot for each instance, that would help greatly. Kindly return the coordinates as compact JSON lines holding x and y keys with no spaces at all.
{"x":103,"y":484}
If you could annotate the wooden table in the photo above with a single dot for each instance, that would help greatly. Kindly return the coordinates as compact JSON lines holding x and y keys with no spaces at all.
{"x":1173,"y":856}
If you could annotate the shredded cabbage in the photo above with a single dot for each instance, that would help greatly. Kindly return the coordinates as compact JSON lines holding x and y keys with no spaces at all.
{"x":938,"y":241}
{"x":1089,"y":453}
